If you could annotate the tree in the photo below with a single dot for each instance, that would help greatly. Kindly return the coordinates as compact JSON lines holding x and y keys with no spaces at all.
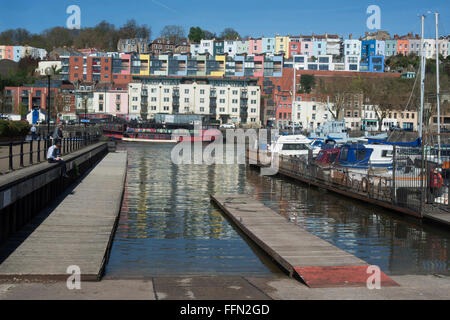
{"x":229,"y":34}
{"x":307,"y":83}
{"x":173,"y":33}
{"x":339,"y":91}
{"x":196,"y":34}
{"x":386,"y":95}
{"x":23,"y":110}
{"x":209,"y":35}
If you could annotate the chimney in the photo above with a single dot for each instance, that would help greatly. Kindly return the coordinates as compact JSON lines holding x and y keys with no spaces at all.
{"x":350,"y":36}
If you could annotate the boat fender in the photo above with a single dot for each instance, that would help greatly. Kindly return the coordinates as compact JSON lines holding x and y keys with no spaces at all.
{"x":364,"y":185}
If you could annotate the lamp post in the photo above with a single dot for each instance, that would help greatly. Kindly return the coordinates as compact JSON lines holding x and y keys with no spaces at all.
{"x":48,"y":72}
{"x":85,"y":99}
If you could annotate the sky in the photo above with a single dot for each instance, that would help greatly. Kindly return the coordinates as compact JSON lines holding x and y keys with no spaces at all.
{"x":249,"y":17}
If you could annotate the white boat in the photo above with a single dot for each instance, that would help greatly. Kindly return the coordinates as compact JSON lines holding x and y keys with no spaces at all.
{"x":293,"y":145}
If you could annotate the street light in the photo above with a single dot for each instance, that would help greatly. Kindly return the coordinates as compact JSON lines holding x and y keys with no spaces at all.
{"x":48,"y":72}
{"x":85,"y":100}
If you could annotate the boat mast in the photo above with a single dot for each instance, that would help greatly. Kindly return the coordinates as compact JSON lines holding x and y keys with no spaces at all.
{"x":293,"y":101}
{"x":438,"y":102}
{"x":422,"y":78}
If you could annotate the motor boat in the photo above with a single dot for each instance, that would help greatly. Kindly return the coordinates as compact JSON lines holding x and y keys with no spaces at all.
{"x":293,"y":145}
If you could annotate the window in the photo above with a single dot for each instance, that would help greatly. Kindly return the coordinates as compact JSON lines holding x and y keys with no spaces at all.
{"x":235,"y":92}
{"x":202,"y":100}
{"x":360,"y":155}
{"x":186,"y":91}
{"x":186,"y":100}
{"x":253,"y":110}
{"x":234,"y":110}
{"x":253,"y":102}
{"x":294,"y":147}
{"x":118,"y":107}
{"x":235,"y":101}
{"x":222,"y":100}
{"x":100,"y":107}
{"x":166,"y":91}
{"x":166,"y":99}
{"x":100,"y":97}
{"x":222,"y":91}
{"x":202,"y":91}
{"x":202,"y":109}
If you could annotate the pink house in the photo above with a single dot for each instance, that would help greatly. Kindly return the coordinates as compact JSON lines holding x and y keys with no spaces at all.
{"x":118,"y":100}
{"x":254,"y":46}
{"x":259,"y":66}
{"x":307,"y":48}
{"x":126,"y":63}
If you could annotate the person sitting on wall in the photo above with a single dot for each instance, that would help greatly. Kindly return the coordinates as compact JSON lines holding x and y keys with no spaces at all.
{"x":52,"y":157}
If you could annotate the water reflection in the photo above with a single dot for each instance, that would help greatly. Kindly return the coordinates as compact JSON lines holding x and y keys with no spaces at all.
{"x":168,"y":225}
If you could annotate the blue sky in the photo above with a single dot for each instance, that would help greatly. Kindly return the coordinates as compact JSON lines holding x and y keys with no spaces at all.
{"x":248,"y":17}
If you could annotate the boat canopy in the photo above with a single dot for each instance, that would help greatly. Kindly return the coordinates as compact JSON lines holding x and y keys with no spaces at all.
{"x":354,"y":155}
{"x":412,"y":144}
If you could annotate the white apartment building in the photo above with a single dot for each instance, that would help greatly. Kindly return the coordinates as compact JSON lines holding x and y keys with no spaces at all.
{"x":311,"y":114}
{"x":43,"y":65}
{"x":195,"y":49}
{"x":230,"y":47}
{"x":333,"y":46}
{"x":352,"y":47}
{"x":206,"y":46}
{"x":236,"y":101}
{"x":326,"y":63}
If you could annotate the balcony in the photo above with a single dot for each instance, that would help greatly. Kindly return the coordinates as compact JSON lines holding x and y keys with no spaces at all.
{"x":144,"y":93}
{"x":213,"y":94}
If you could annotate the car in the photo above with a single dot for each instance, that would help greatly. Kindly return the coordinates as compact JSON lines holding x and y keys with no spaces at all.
{"x":228,"y":126}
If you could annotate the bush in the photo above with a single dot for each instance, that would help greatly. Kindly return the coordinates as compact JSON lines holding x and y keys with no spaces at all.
{"x":14,"y":129}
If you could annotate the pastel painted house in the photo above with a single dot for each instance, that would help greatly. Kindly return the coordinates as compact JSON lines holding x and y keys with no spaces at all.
{"x":255,"y":46}
{"x":319,"y":47}
{"x":390,"y":48}
{"x":307,"y":47}
{"x":403,"y":47}
{"x":268,"y":45}
{"x":241,"y":47}
{"x":282,"y":46}
{"x":295,"y":47}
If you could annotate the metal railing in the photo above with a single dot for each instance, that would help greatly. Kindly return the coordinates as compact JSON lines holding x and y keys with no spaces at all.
{"x":18,"y":155}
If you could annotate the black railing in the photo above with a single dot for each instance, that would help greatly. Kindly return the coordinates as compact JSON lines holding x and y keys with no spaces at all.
{"x":17,"y":155}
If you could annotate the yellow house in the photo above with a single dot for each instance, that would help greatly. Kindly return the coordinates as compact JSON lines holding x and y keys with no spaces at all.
{"x":221,"y":72}
{"x":282,"y":46}
{"x":145,"y":64}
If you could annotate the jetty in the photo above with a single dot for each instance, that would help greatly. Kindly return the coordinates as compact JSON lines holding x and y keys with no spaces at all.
{"x":77,"y":232}
{"x":317,"y":262}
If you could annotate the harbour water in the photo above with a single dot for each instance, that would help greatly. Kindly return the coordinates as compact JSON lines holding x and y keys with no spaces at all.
{"x":168,"y":225}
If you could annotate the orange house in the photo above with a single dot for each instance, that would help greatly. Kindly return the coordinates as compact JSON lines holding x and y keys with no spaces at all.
{"x":403,"y":47}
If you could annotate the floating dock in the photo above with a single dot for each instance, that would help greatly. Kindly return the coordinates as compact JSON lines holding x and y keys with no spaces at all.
{"x":317,"y":262}
{"x":77,"y":232}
